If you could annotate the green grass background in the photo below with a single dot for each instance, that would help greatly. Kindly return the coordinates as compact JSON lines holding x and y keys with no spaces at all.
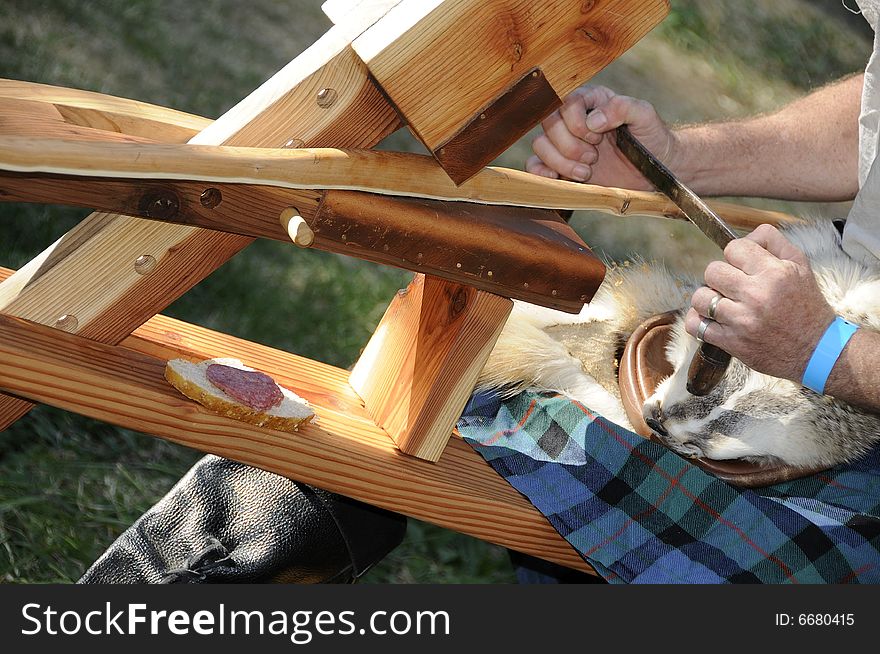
{"x":69,"y":486}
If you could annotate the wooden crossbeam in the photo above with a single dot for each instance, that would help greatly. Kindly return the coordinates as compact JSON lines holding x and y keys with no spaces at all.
{"x":72,"y":110}
{"x":345,"y":452}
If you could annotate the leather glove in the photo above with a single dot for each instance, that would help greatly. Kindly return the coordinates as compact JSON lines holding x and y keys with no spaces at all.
{"x":226,"y":522}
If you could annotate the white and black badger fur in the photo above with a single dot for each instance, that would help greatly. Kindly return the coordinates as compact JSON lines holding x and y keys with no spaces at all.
{"x":749,"y":415}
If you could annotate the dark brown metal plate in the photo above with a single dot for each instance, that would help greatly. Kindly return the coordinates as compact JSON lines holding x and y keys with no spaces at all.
{"x":497,"y":127}
{"x":525,"y":254}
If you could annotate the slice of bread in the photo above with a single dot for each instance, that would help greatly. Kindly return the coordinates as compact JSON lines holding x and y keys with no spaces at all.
{"x":191,"y":379}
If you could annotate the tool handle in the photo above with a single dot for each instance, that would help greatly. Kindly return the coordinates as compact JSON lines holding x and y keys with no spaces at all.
{"x":706,"y":370}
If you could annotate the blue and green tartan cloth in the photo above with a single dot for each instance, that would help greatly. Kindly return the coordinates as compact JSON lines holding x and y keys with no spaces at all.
{"x":639,"y":513}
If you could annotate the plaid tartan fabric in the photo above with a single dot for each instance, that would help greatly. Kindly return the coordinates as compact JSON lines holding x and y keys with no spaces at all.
{"x":640,"y":513}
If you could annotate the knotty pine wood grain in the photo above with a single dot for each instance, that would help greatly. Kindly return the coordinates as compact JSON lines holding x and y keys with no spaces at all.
{"x":421,"y":365}
{"x":442,"y":62}
{"x":96,"y":281}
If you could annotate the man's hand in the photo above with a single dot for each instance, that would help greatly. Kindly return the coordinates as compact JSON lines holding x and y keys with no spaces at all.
{"x":578,"y":141}
{"x":771,"y":313}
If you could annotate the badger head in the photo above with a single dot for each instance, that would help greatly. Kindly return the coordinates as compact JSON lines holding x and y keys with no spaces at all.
{"x":753,"y":416}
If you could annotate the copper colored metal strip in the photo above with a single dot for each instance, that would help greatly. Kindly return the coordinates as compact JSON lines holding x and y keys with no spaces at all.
{"x":524,"y":254}
{"x":489,"y":132}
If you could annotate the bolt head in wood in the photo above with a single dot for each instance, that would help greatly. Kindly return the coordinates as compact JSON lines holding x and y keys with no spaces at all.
{"x":160,"y":204}
{"x":67,"y":323}
{"x":327,"y":98}
{"x":145,"y":264}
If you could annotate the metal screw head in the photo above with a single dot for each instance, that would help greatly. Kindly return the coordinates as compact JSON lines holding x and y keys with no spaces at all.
{"x":327,"y":98}
{"x":161,"y":204}
{"x":145,"y":264}
{"x":67,"y":323}
{"x":211,"y":197}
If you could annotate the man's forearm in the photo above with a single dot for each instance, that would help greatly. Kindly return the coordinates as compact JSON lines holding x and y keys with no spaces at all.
{"x":806,"y":151}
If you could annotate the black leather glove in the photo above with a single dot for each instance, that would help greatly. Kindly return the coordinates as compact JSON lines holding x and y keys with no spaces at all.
{"x":226,"y":522}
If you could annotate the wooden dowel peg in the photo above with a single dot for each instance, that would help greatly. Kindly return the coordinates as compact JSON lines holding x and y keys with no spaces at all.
{"x":298,"y":229}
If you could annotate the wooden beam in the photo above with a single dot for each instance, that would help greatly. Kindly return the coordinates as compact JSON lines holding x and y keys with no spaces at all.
{"x":86,"y":109}
{"x":88,"y":281}
{"x":421,"y":365}
{"x":526,"y":254}
{"x":469,"y":76}
{"x":386,"y":173}
{"x":345,"y":452}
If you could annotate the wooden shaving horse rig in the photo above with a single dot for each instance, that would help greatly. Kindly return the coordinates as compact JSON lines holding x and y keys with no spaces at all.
{"x":79,"y":327}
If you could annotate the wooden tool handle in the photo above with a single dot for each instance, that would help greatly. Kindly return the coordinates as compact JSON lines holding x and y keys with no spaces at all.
{"x":706,"y":370}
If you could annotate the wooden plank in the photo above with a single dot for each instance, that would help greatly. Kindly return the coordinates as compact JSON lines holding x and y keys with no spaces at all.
{"x":444,"y":63}
{"x":344,"y":453}
{"x":421,"y":365}
{"x":385,"y":173}
{"x":42,"y":121}
{"x":98,"y":111}
{"x":88,"y":281}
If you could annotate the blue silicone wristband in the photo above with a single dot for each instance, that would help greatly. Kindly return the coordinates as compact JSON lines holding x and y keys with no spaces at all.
{"x":827,"y":353}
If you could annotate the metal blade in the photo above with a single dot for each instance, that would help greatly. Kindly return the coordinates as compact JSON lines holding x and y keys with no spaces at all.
{"x":697,"y":211}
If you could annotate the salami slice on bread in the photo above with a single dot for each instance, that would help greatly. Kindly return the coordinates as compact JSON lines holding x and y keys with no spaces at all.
{"x":245,"y":395}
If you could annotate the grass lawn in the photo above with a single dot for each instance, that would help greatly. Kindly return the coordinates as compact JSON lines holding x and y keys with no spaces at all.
{"x":68,"y":485}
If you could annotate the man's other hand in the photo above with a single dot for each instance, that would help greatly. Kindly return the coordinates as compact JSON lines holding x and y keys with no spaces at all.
{"x":578,"y":142}
{"x":771,"y":313}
